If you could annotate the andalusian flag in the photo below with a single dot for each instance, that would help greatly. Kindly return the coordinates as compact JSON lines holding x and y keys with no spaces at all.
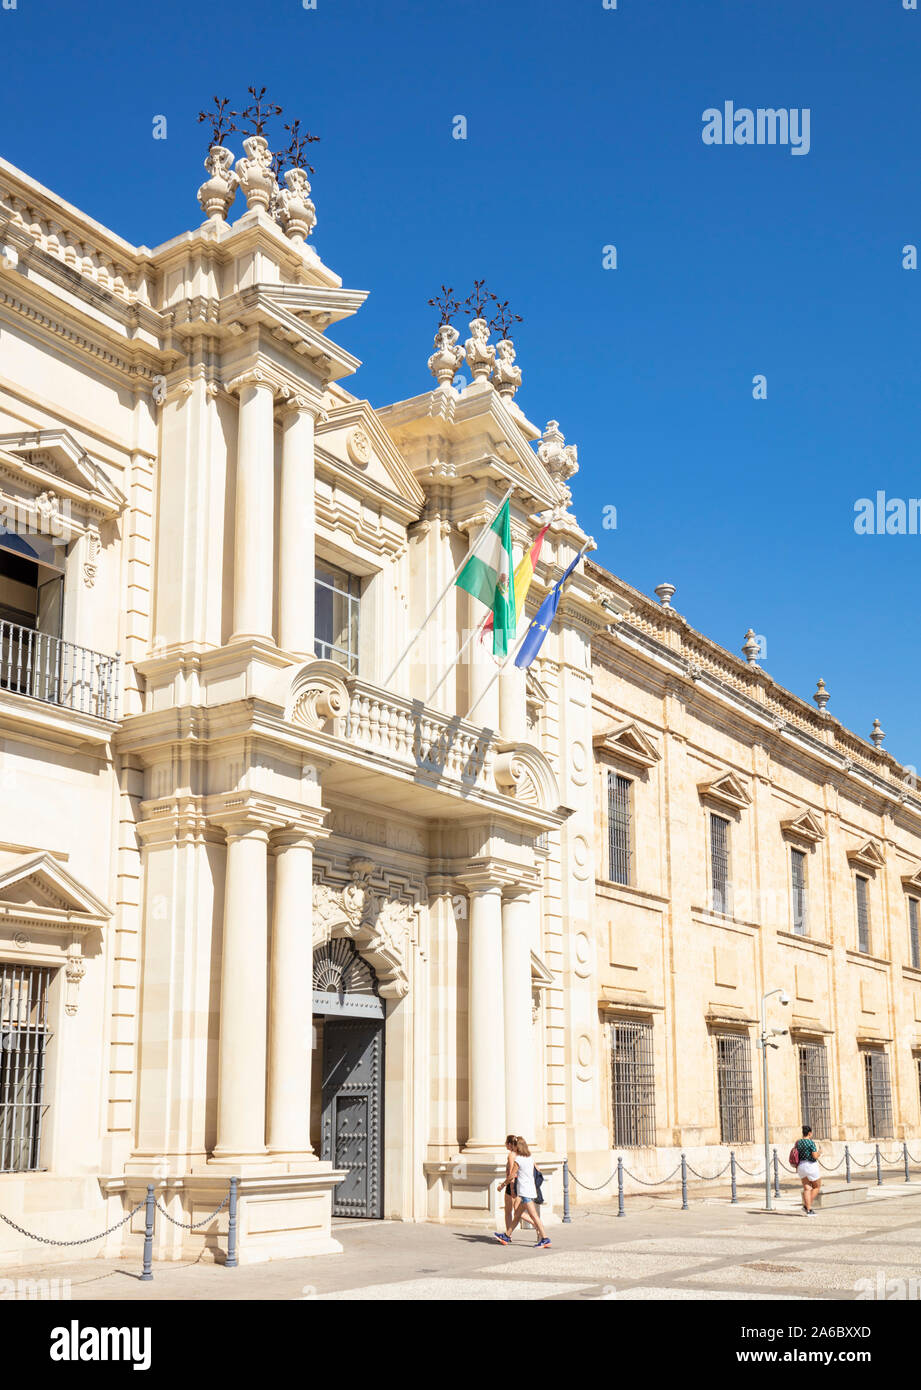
{"x":524,"y":573}
{"x":488,"y":576}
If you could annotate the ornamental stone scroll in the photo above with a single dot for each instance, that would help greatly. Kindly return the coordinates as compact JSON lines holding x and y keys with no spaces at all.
{"x":380,"y":927}
{"x":319,"y":697}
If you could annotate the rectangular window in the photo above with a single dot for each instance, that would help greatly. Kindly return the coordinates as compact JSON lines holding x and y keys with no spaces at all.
{"x":914,"y":932}
{"x":620,"y":828}
{"x":879,"y":1100}
{"x":813,"y":1089}
{"x":734,"y":1084}
{"x":337,"y":598}
{"x":863,"y":914}
{"x":719,"y":863}
{"x":23,"y":1039}
{"x":633,"y":1083}
{"x":798,"y":879}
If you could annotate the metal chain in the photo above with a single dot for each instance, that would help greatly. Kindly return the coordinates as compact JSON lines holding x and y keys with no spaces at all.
{"x":87,"y":1240}
{"x":871,"y":1159}
{"x":193,"y":1226}
{"x":712,"y":1177}
{"x":830,"y":1168}
{"x":645,"y":1183}
{"x":746,"y":1172}
{"x":586,"y":1186}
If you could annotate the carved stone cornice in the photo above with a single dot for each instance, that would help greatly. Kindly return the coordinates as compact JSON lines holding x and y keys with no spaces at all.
{"x":382,"y":928}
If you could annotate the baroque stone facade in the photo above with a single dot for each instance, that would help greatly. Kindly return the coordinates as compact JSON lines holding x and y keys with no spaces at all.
{"x":276,"y":906}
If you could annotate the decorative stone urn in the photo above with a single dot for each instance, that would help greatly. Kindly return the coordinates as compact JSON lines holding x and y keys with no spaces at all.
{"x":217,"y":194}
{"x":821,"y":696}
{"x":561,"y":460}
{"x":480,"y":353}
{"x":751,"y":647}
{"x":506,"y":377}
{"x":255,"y":174}
{"x":447,"y":357}
{"x":296,"y":212}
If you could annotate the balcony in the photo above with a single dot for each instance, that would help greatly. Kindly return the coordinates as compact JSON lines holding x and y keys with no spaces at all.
{"x":58,"y":673}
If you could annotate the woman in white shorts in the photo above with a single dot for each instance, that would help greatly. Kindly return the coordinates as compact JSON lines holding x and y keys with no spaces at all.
{"x":808,"y":1169}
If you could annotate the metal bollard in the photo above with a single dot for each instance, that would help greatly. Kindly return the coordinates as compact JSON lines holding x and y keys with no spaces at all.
{"x":684,"y":1183}
{"x":776,"y":1175}
{"x":732,"y":1172}
{"x":148,"y":1234}
{"x":847,"y":1164}
{"x":231,"y":1261}
{"x":905,"y":1157}
{"x":620,"y":1187}
{"x":567,"y":1219}
{"x":879,"y":1171}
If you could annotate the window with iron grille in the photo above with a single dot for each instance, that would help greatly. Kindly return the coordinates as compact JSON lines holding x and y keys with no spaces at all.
{"x":734,"y":1084}
{"x":879,"y":1099}
{"x":336,"y":608}
{"x":813,"y":1088}
{"x":719,"y":863}
{"x":798,"y":881}
{"x":863,"y":914}
{"x":620,"y":828}
{"x":914,"y":932}
{"x":23,"y":1039}
{"x":633,"y":1084}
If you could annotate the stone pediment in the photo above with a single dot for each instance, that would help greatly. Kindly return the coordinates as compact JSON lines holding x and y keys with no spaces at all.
{"x":726,"y":790}
{"x":868,"y":855}
{"x":40,"y":888}
{"x":352,"y":434}
{"x":626,"y":742}
{"x":804,"y":826}
{"x":912,"y":882}
{"x":56,"y":460}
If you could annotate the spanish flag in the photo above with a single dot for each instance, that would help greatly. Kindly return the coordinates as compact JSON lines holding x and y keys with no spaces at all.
{"x":523,"y":576}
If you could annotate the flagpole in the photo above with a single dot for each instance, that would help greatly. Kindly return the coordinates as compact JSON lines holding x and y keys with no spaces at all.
{"x":512,"y":654}
{"x":476,"y":632}
{"x":447,"y":588}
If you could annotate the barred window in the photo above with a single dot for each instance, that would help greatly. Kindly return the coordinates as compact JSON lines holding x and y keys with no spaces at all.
{"x":813,"y":1088}
{"x":719,"y":863}
{"x":914,"y":932}
{"x":863,"y":914}
{"x":633,"y":1084}
{"x":798,"y":880}
{"x":879,"y":1099}
{"x":23,"y":1039}
{"x":734,"y":1084}
{"x":620,"y":828}
{"x":336,"y":607}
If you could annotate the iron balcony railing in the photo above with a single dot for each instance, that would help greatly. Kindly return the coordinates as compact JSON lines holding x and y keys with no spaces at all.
{"x":46,"y":668}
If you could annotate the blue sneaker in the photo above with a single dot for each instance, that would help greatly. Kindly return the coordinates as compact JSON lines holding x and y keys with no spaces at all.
{"x":502,"y":1238}
{"x":542,"y":1244}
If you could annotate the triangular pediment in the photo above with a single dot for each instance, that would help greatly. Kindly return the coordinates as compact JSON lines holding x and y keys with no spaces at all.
{"x":869,"y":855}
{"x":55,"y":457}
{"x":912,"y":882}
{"x":541,"y":974}
{"x":728,"y":790}
{"x":39,"y":886}
{"x":627,"y":742}
{"x":806,"y":825}
{"x":352,"y":434}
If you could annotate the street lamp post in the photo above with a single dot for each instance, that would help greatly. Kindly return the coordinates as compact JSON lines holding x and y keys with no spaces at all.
{"x":764,"y":1044}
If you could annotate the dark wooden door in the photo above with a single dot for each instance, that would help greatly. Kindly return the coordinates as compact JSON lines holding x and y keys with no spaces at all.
{"x":352,"y":1133}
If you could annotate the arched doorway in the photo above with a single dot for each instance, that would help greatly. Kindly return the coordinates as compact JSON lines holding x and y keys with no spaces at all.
{"x":347,"y":1125}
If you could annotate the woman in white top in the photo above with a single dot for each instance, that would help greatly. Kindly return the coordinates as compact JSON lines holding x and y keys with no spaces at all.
{"x":522,"y":1174}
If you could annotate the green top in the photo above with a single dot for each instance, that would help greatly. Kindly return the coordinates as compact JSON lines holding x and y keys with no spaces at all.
{"x":807,"y":1149}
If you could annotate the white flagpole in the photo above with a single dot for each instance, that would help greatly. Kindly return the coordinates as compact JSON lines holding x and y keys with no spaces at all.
{"x":475,"y":633}
{"x":446,"y":590}
{"x":512,"y":654}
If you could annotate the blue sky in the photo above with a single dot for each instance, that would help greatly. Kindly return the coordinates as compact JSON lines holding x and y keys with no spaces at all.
{"x":584,"y":130}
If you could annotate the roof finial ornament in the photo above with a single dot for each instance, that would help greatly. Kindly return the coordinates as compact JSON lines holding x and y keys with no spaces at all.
{"x":876,"y":734}
{"x":665,"y":593}
{"x":751,"y":647}
{"x":821,"y":696}
{"x":480,"y":352}
{"x":255,"y":171}
{"x":447,"y":357}
{"x":505,"y":376}
{"x":217,"y":194}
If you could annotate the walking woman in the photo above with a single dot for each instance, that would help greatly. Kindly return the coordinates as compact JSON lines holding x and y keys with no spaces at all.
{"x":508,"y":1182}
{"x":521,"y":1170}
{"x":808,"y":1169}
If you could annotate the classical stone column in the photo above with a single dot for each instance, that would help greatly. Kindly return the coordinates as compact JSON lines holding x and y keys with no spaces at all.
{"x":296,"y":529}
{"x":242,"y":1047}
{"x":486,"y":1039}
{"x":520,"y":1062}
{"x":254,"y":521}
{"x":291,"y":996}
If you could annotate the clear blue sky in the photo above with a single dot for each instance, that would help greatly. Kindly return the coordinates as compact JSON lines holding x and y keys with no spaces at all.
{"x":584,"y":129}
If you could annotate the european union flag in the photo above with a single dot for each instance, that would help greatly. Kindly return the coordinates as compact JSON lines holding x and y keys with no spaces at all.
{"x":543,"y":620}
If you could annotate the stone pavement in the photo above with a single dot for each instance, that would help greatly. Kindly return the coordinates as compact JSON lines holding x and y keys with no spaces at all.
{"x":712,"y":1251}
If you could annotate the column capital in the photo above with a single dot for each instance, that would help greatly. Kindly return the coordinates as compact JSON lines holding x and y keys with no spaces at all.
{"x":244,"y":818}
{"x":486,"y":875}
{"x":304,"y":833}
{"x":289,"y":402}
{"x":252,"y":376}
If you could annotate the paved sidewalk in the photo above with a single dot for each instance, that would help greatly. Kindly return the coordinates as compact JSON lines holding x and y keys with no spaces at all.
{"x":713,"y":1251}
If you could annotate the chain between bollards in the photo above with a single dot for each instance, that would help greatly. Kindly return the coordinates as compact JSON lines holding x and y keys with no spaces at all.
{"x":732,"y":1170}
{"x":620,"y":1186}
{"x":148,"y":1234}
{"x":684,"y":1183}
{"x":567,"y":1219}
